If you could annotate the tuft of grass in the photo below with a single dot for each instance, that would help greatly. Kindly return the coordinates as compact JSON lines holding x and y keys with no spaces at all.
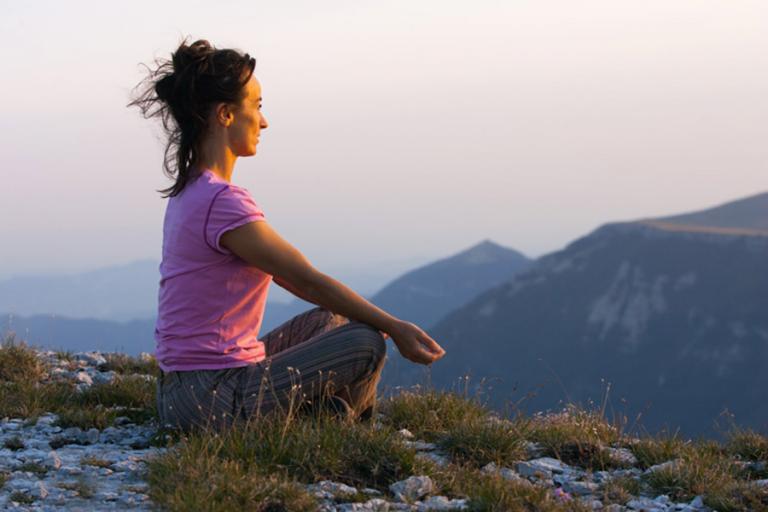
{"x":34,"y":467}
{"x":576,"y":436}
{"x":99,"y":405}
{"x":650,"y":451}
{"x":706,"y":468}
{"x":221,"y":485}
{"x":429,"y":415}
{"x":129,"y":365}
{"x":14,"y":443}
{"x":620,"y":490}
{"x":747,"y":444}
{"x":476,"y":442}
{"x":22,"y":498}
{"x":83,"y":488}
{"x":19,"y":362}
{"x":491,"y":492}
{"x":94,"y":461}
{"x":65,"y":355}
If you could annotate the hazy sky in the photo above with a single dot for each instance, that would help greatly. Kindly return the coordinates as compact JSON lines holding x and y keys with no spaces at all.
{"x":399,"y":130}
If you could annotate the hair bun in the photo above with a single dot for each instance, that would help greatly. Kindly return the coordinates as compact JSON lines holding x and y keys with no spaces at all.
{"x":196,"y":55}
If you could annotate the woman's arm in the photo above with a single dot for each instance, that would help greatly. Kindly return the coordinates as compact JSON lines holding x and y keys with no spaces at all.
{"x":259,"y":245}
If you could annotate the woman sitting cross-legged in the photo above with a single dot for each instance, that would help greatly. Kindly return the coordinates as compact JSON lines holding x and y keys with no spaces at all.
{"x":219,"y":256}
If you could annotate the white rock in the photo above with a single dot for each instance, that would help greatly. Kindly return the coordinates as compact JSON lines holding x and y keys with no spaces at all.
{"x":52,"y":460}
{"x":580,"y":488}
{"x":664,"y":465}
{"x":621,"y":456}
{"x":82,"y":377}
{"x":405,"y":433}
{"x":420,"y":445}
{"x":441,"y":503}
{"x":412,"y":488}
{"x":334,"y":489}
{"x":438,"y":458}
{"x":544,"y":465}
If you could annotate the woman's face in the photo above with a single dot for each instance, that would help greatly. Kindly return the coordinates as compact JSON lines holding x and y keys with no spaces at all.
{"x":248,"y":121}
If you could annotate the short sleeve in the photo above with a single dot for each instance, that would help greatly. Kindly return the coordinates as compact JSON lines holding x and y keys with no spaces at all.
{"x":231,"y":207}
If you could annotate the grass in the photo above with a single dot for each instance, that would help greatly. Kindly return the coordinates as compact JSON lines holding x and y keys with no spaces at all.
{"x":33,"y":467}
{"x":22,"y":498}
{"x":25,"y":394}
{"x":576,"y":436}
{"x":707,"y":468}
{"x":82,"y":487}
{"x":265,"y":465}
{"x":129,"y":365}
{"x":95,"y":461}
{"x":620,"y":490}
{"x":14,"y":443}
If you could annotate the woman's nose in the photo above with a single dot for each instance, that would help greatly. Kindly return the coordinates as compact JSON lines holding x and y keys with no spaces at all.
{"x":263,"y":123}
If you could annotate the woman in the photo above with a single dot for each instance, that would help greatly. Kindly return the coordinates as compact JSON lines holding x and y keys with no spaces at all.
{"x":219,"y":256}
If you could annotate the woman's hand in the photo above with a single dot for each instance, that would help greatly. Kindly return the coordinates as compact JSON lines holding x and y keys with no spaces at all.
{"x":414,"y":344}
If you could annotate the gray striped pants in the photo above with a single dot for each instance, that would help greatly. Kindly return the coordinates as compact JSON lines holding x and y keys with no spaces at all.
{"x":314,"y":353}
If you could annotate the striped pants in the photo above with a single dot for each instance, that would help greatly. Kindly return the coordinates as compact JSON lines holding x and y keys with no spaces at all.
{"x":314,"y":353}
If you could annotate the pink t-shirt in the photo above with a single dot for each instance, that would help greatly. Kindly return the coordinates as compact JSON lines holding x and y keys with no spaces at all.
{"x":211,"y":302}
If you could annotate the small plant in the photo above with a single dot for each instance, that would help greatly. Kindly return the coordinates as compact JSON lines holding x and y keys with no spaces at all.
{"x":127,"y":365}
{"x":620,"y":490}
{"x":430,"y":414}
{"x":14,"y":443}
{"x":655,"y":450}
{"x":82,"y":487}
{"x":95,"y":461}
{"x":477,"y":442}
{"x":576,"y":436}
{"x":22,"y":498}
{"x":33,"y":467}
{"x":19,"y":362}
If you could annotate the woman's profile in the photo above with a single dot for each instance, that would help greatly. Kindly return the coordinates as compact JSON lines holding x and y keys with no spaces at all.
{"x":220,"y":255}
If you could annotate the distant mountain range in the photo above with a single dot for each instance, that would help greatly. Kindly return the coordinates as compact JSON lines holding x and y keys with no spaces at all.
{"x":425,"y":295}
{"x":673,"y":312}
{"x":431,"y":296}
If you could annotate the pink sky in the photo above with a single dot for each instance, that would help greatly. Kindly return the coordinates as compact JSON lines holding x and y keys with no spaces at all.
{"x":397,"y":131}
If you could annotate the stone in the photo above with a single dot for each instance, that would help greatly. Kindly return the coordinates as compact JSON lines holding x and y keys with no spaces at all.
{"x":412,"y":488}
{"x":91,"y":358}
{"x":438,"y":458}
{"x":544,"y":465}
{"x":52,"y":460}
{"x":405,"y":433}
{"x":621,"y":456}
{"x":82,"y":377}
{"x":580,"y":488}
{"x":332,"y":489}
{"x":441,"y":503}
{"x":670,"y":464}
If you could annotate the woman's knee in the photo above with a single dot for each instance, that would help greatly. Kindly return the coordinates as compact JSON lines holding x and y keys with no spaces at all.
{"x":370,"y":337}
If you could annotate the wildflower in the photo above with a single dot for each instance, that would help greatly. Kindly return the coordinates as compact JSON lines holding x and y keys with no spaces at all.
{"x":562,"y":495}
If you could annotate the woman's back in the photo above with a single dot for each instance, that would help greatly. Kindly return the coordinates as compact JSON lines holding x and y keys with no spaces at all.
{"x":210,"y":302}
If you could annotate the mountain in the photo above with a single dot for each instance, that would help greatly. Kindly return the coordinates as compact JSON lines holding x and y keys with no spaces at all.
{"x":120,"y":292}
{"x":428,"y":293}
{"x":81,"y":334}
{"x":671,"y":312}
{"x":424,"y":295}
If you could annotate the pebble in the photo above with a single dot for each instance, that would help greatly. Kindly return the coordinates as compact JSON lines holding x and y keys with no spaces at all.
{"x":412,"y":488}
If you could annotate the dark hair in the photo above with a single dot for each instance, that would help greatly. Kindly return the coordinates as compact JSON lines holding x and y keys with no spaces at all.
{"x":182,"y":91}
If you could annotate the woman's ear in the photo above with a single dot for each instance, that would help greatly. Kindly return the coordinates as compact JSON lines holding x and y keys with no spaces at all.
{"x":224,"y":114}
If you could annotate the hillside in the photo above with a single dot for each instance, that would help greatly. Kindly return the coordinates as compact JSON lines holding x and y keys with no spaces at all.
{"x":79,"y":432}
{"x":673,"y":319}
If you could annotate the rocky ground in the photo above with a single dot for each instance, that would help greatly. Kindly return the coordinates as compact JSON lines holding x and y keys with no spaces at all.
{"x":46,"y":467}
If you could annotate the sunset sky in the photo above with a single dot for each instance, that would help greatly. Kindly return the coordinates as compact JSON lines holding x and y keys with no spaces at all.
{"x":400,"y":131}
